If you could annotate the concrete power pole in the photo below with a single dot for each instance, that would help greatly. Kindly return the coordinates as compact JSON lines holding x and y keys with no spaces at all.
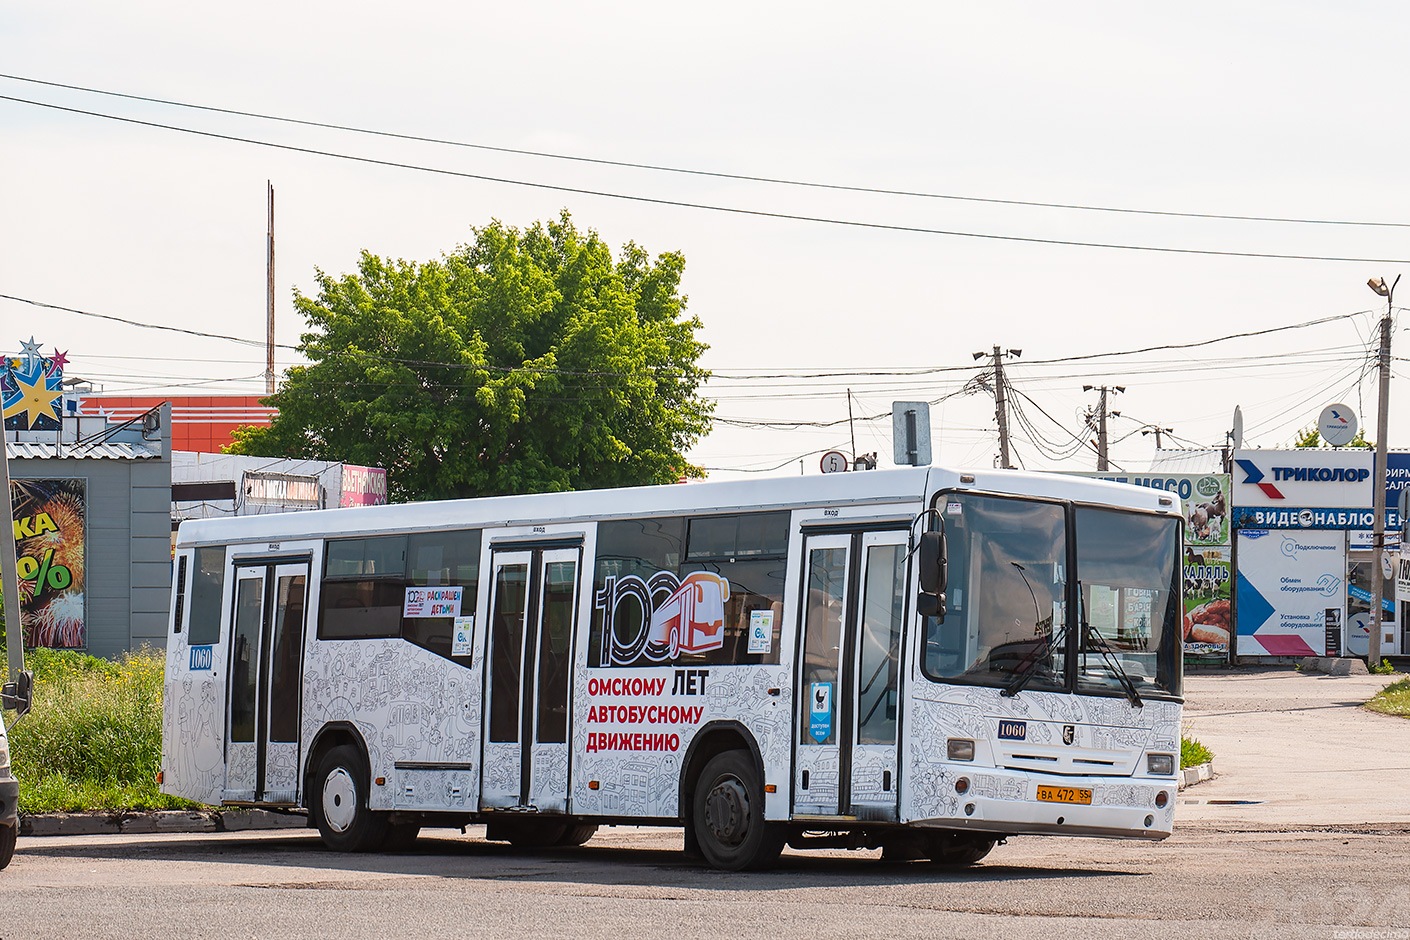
{"x":269,"y":299}
{"x":1378,"y":524}
{"x":1001,"y":402}
{"x":1102,"y":464}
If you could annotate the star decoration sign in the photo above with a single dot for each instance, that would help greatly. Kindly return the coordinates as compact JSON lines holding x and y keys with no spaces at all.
{"x":33,"y":389}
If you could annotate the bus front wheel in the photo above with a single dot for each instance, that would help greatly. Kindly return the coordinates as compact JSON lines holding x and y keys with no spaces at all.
{"x":728,"y":812}
{"x":958,"y":848}
{"x":8,"y":836}
{"x":340,"y":802}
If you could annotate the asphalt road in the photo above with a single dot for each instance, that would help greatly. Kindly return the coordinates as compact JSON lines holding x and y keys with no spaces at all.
{"x":1314,"y":848}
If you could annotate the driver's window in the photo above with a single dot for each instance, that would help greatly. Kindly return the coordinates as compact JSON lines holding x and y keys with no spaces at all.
{"x":1005,"y":604}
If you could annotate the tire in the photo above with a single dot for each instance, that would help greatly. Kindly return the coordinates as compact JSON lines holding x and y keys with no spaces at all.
{"x":577,"y":834}
{"x":728,"y":812}
{"x":8,"y":836}
{"x":958,"y":848}
{"x":339,"y":801}
{"x":400,"y":837}
{"x":528,"y":833}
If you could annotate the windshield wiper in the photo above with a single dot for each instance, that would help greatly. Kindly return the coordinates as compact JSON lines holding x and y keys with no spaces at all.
{"x":1055,"y":635}
{"x":1097,"y":640}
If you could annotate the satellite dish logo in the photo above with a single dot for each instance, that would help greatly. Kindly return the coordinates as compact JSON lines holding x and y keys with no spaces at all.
{"x":1255,"y":476}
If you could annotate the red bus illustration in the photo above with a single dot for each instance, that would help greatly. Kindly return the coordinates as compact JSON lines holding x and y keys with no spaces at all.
{"x":690,"y":620}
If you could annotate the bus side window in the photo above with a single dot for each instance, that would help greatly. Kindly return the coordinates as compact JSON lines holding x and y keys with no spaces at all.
{"x":207,"y":592}
{"x":364,"y":585}
{"x":179,"y":607}
{"x":442,"y":559}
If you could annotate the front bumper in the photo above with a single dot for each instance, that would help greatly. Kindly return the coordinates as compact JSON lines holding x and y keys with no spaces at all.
{"x":9,"y":802}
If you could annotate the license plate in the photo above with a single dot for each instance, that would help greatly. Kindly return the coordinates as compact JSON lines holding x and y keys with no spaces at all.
{"x":1064,"y":795}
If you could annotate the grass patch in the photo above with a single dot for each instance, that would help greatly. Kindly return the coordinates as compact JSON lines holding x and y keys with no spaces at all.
{"x":1193,"y":753}
{"x":1394,"y":699}
{"x":93,"y":740}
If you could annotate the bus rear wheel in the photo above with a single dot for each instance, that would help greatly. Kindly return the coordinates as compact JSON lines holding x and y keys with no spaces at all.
{"x":728,"y":813}
{"x":958,"y":848}
{"x":539,"y":833}
{"x":340,"y":803}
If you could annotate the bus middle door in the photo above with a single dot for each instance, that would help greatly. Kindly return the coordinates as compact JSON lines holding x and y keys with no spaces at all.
{"x":266,"y":652}
{"x":848,"y":678}
{"x":533,"y":605}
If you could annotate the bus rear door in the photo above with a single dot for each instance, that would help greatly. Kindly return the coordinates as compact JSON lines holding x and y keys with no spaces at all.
{"x":533,"y":605}
{"x":266,"y":655}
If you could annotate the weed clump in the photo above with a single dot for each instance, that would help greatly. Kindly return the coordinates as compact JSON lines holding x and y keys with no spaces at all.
{"x":93,"y":740}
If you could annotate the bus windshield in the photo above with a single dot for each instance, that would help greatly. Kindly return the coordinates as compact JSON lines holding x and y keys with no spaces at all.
{"x":1127,"y":564}
{"x":1008,"y":621}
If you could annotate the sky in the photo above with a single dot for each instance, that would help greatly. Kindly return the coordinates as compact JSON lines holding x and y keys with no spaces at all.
{"x":1288,"y":110}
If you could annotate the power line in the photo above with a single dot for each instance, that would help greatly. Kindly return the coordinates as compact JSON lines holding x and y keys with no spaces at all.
{"x":681,"y":204}
{"x":717,"y":174}
{"x":711,"y":374}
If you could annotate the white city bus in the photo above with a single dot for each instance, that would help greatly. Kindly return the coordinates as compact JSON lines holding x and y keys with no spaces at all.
{"x":920,"y":660}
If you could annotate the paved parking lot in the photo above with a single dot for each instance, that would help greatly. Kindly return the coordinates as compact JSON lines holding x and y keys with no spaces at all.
{"x":1293,"y":750}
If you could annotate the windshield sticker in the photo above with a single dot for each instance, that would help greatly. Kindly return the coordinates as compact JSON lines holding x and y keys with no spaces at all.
{"x":761,"y":631}
{"x":460,"y":644}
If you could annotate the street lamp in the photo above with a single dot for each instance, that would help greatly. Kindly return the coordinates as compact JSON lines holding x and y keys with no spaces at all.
{"x":1378,"y":503}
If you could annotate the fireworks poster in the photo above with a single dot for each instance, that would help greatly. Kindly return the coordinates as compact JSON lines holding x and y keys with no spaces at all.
{"x":51,"y":545}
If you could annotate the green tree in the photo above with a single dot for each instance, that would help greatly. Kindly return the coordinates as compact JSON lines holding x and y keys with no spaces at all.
{"x":522,"y":362}
{"x":1311,"y":437}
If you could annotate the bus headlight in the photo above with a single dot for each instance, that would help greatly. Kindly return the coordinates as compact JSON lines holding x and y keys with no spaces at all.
{"x":960,"y":749}
{"x":1160,"y":765}
{"x":4,"y":756}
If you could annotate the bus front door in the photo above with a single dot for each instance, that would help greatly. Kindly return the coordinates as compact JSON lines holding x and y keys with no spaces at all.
{"x":852,"y":615}
{"x":266,"y":655}
{"x":533,"y":603}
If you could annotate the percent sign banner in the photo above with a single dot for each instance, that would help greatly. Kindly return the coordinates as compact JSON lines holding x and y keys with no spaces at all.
{"x":50,"y":519}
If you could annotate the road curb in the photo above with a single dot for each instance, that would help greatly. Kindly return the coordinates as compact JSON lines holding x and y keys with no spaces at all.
{"x":1196,"y":774}
{"x":114,"y":823}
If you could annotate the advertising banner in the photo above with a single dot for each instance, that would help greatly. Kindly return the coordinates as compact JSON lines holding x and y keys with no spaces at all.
{"x":1303,"y":477}
{"x":1208,"y":615}
{"x":50,"y":520}
{"x":1288,"y":582}
{"x":363,"y":486}
{"x":1204,"y":500}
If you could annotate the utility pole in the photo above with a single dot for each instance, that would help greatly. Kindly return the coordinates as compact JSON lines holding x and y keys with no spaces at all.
{"x":14,"y":626}
{"x":851,"y":426}
{"x":269,"y":298}
{"x":1378,"y":503}
{"x":1157,"y":432}
{"x":1001,"y":404}
{"x":1102,"y":464}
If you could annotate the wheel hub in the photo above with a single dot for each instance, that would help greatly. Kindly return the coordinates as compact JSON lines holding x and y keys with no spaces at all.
{"x":727,"y":811}
{"x":339,"y":800}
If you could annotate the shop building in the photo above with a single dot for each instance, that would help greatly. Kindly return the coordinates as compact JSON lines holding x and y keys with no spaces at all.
{"x":92,"y":526}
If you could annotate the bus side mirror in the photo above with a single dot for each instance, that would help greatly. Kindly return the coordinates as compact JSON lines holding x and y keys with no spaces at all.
{"x":19,"y":695}
{"x":933,"y":565}
{"x":931,"y":605}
